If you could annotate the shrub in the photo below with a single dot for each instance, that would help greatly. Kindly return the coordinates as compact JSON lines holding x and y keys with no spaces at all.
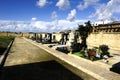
{"x":4,"y":42}
{"x":104,"y":49}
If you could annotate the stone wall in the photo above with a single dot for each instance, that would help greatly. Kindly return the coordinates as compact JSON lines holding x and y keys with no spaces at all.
{"x":110,"y":39}
{"x":11,"y":34}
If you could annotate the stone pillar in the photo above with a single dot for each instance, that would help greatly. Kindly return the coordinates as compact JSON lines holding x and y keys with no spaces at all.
{"x":71,"y":51}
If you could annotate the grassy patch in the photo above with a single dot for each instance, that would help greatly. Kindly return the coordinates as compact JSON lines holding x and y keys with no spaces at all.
{"x":80,"y":55}
{"x":4,"y":42}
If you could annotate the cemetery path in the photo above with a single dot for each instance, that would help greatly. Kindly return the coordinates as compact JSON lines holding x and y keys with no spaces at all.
{"x":25,"y":52}
{"x":98,"y":69}
{"x":26,"y":61}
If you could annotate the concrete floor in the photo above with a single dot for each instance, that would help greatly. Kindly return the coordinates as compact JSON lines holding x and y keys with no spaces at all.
{"x":26,"y":51}
{"x":26,"y":61}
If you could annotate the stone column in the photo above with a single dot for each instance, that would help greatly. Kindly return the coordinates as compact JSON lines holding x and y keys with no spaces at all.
{"x":71,"y":51}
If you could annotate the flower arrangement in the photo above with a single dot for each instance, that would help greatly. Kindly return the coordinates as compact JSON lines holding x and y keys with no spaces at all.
{"x":96,"y":53}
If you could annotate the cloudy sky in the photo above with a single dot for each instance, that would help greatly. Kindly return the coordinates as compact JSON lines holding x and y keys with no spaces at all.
{"x":55,"y":15}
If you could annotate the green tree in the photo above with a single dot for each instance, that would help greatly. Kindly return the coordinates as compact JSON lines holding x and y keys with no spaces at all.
{"x":84,"y":31}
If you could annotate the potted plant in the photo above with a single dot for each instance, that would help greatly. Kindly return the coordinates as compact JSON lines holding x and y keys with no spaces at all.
{"x":92,"y":54}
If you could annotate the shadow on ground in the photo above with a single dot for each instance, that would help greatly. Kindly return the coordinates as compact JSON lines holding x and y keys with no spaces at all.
{"x":115,"y":68}
{"x":50,"y":70}
{"x":2,"y":50}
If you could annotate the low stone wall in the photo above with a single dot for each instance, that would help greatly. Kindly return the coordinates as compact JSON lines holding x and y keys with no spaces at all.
{"x":110,"y":39}
{"x":14,"y":34}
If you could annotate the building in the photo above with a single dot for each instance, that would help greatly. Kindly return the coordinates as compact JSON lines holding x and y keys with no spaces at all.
{"x":110,"y":27}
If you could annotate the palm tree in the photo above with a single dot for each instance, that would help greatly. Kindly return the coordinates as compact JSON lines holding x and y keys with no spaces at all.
{"x":84,"y":31}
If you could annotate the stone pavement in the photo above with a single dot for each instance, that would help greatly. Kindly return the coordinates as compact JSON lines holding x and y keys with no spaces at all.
{"x":26,"y":51}
{"x":26,"y":61}
{"x":23,"y":50}
{"x":86,"y":69}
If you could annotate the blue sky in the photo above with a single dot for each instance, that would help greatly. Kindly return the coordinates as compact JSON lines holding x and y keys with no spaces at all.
{"x":26,"y":9}
{"x":56,"y":15}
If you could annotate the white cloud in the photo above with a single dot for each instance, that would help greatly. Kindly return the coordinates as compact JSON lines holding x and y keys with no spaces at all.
{"x":39,"y":26}
{"x":41,"y":3}
{"x":86,"y":4}
{"x":34,"y":19}
{"x":63,"y":4}
{"x":106,"y":11}
{"x":54,"y":15}
{"x":14,"y":26}
{"x":72,"y":15}
{"x":65,"y":24}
